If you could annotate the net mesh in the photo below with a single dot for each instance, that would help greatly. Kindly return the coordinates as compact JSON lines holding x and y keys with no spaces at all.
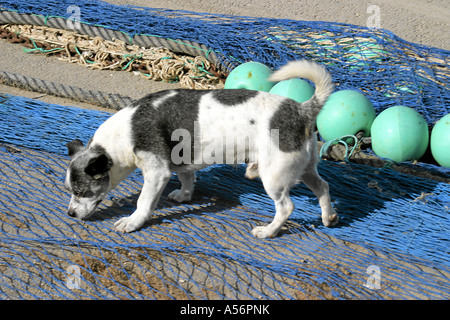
{"x":390,"y":222}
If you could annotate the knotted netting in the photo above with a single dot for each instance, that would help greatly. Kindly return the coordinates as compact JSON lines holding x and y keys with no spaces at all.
{"x":393,"y":237}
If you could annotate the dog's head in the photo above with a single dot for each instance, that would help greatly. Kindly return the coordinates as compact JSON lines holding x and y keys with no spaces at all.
{"x":87,"y":178}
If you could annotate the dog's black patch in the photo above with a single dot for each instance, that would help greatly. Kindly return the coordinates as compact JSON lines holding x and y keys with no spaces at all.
{"x":74,"y":147}
{"x":99,"y":165}
{"x":232,"y":97}
{"x":80,"y":183}
{"x":156,"y":125}
{"x":292,"y":125}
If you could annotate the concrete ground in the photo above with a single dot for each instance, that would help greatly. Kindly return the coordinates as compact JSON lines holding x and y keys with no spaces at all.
{"x":426,"y":22}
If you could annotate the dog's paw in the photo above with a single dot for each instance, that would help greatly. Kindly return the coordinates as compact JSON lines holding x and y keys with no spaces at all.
{"x":179,"y":196}
{"x":263,"y":232}
{"x":330,"y":221}
{"x":128,"y":224}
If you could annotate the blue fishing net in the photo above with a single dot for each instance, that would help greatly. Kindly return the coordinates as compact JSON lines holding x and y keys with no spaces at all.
{"x":395,"y":223}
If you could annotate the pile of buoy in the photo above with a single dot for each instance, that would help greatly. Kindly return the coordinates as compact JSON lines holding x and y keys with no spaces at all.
{"x":398,"y":133}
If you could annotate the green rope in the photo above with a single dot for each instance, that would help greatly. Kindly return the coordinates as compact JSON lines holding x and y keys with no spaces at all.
{"x":79,"y":53}
{"x":128,"y":64}
{"x":340,"y":140}
{"x":202,"y":68}
{"x":133,"y":56}
{"x":36,"y":48}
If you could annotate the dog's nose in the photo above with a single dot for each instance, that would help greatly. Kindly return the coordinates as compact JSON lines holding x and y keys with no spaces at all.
{"x":72,"y":213}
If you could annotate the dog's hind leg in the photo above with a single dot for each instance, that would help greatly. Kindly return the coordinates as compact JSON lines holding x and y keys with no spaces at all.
{"x":284,"y":208}
{"x":277,"y":180}
{"x":320,"y":188}
{"x":187,"y":180}
{"x":156,"y":175}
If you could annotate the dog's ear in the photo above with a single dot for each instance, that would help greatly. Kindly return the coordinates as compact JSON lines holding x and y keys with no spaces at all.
{"x":74,"y":147}
{"x":98,"y":165}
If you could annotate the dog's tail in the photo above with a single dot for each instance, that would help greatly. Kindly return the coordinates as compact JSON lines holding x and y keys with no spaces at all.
{"x":311,"y":71}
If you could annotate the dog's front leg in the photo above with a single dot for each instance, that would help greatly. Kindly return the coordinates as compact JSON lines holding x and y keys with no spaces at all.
{"x":155,"y":179}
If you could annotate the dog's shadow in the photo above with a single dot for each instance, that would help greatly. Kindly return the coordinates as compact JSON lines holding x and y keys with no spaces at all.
{"x":356,"y":191}
{"x":203,"y":202}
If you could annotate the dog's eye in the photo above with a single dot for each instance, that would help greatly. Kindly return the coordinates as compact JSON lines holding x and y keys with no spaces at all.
{"x":83,"y":194}
{"x":79,"y":194}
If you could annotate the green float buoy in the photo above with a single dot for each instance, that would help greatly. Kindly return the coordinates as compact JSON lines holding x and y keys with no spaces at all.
{"x":440,"y":141}
{"x":400,"y":133}
{"x":345,"y":112}
{"x":251,"y":76}
{"x":296,"y":89}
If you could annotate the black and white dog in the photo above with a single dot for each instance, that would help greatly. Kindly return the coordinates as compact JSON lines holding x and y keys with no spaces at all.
{"x":186,"y":130}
